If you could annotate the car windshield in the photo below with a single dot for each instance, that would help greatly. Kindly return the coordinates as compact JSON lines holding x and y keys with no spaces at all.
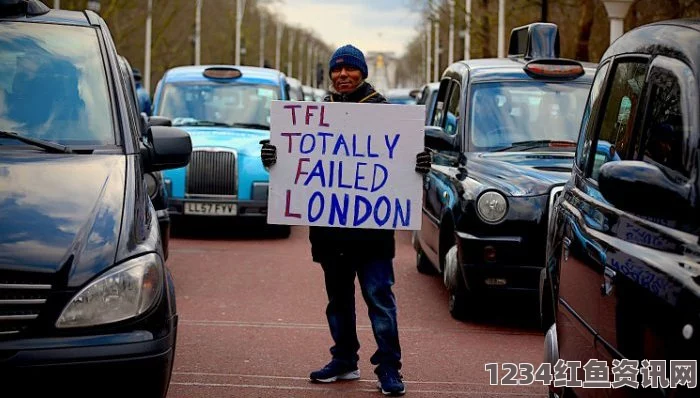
{"x":509,"y":115}
{"x":402,"y":100}
{"x":246,"y":105}
{"x":53,"y":85}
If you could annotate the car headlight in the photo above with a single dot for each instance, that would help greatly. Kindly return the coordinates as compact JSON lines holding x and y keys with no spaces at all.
{"x":151,"y":184}
{"x":492,"y":206}
{"x":124,"y":292}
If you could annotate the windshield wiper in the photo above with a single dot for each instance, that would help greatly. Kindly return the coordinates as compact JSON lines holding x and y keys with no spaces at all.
{"x":48,"y":146}
{"x":204,"y":123}
{"x":532,"y":144}
{"x":258,"y":126}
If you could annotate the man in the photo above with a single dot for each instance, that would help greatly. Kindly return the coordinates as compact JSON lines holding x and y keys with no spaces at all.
{"x":366,"y":253}
{"x":143,"y":96}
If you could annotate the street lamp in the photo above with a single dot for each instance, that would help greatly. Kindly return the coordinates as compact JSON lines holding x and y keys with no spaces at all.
{"x":198,"y":32}
{"x":147,"y":48}
{"x":93,"y":5}
{"x":617,"y":10}
{"x":501,"y":28}
{"x":240,"y":7}
{"x":290,"y":47}
{"x":278,"y":46}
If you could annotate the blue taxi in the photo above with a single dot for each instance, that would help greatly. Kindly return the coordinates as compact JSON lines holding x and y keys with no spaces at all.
{"x":226,"y":110}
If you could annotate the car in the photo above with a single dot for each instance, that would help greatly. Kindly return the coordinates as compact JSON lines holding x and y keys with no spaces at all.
{"x":296,"y":93}
{"x":155,"y":186}
{"x":502,"y":136}
{"x":226,"y":110}
{"x":426,"y":96}
{"x":87,"y":305}
{"x":623,"y":253}
{"x":319,"y":94}
{"x":400,"y":96}
{"x":309,"y":94}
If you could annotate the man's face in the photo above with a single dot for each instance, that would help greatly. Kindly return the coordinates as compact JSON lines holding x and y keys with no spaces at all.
{"x":345,"y":78}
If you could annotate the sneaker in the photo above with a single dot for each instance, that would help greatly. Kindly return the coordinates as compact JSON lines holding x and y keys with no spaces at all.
{"x":335,"y":370}
{"x":390,"y":382}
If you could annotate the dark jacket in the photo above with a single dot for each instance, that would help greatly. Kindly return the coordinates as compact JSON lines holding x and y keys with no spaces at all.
{"x":332,"y":243}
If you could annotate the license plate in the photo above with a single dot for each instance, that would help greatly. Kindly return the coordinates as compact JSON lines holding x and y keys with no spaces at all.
{"x":211,"y":209}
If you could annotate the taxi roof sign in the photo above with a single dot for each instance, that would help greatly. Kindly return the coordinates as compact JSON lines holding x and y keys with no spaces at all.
{"x":222,"y":72}
{"x":536,"y":40}
{"x":23,"y":7}
{"x":554,"y":68}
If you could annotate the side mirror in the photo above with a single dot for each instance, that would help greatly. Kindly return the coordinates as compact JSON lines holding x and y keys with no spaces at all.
{"x":159,"y":121}
{"x":414,"y":93}
{"x":643,"y":189}
{"x":438,"y":140}
{"x":170,"y":148}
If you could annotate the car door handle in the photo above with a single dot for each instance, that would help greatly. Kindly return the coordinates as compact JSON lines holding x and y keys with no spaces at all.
{"x":608,"y":281}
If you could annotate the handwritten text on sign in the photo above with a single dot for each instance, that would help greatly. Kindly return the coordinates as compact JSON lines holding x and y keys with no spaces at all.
{"x":346,"y":165}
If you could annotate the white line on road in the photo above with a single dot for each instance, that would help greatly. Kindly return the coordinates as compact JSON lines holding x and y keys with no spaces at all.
{"x":477,"y":393}
{"x":468,"y":329}
{"x":253,"y":376}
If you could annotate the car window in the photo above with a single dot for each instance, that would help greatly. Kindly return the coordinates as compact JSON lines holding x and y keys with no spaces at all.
{"x":230,"y":104}
{"x":440,"y":103}
{"x":402,"y":100}
{"x":296,"y":95}
{"x":452,"y":118}
{"x":615,"y":137}
{"x":502,"y":113}
{"x":422,"y":100}
{"x":670,"y":130}
{"x":51,"y":90}
{"x":584,"y":145}
{"x":131,"y":98}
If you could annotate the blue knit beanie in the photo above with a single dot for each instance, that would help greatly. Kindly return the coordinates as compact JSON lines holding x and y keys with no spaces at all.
{"x":351,"y":56}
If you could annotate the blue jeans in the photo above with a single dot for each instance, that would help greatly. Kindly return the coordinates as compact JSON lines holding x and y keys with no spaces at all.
{"x":376,"y":278}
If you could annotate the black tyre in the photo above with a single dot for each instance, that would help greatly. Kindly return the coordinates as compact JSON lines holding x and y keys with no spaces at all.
{"x":546,"y":313}
{"x":423,"y":265}
{"x":458,"y":305}
{"x":281,"y":231}
{"x":460,"y":301}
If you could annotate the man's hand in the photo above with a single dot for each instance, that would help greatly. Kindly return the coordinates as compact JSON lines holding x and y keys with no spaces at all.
{"x":423,"y":162}
{"x":268,"y":153}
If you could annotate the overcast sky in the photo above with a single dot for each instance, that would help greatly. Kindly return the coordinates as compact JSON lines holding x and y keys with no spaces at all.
{"x":371,"y":25}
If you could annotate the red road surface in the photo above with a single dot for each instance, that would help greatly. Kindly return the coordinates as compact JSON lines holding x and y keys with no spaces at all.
{"x":252,"y":324}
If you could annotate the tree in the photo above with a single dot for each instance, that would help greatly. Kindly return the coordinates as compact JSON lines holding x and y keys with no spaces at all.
{"x":172,"y":42}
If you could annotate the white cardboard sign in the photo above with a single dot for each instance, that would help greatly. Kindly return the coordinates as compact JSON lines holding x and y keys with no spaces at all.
{"x":346,"y":165}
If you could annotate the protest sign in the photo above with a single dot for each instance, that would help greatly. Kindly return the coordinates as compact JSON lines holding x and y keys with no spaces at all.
{"x":346,"y":165}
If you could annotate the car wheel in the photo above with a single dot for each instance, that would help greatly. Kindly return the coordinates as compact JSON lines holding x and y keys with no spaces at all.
{"x":281,"y":231}
{"x":458,"y":303}
{"x":423,"y":265}
{"x":546,"y":307}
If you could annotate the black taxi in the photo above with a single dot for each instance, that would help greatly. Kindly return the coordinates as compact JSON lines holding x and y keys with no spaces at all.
{"x":87,"y":305}
{"x":623,"y":270}
{"x":503,"y":135}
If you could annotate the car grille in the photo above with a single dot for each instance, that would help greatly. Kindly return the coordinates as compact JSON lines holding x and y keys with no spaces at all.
{"x":212,"y":173}
{"x":21,"y":302}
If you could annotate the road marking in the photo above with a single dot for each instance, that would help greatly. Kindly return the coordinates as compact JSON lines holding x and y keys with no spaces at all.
{"x":253,"y":376}
{"x":259,"y":386}
{"x":289,"y":325}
